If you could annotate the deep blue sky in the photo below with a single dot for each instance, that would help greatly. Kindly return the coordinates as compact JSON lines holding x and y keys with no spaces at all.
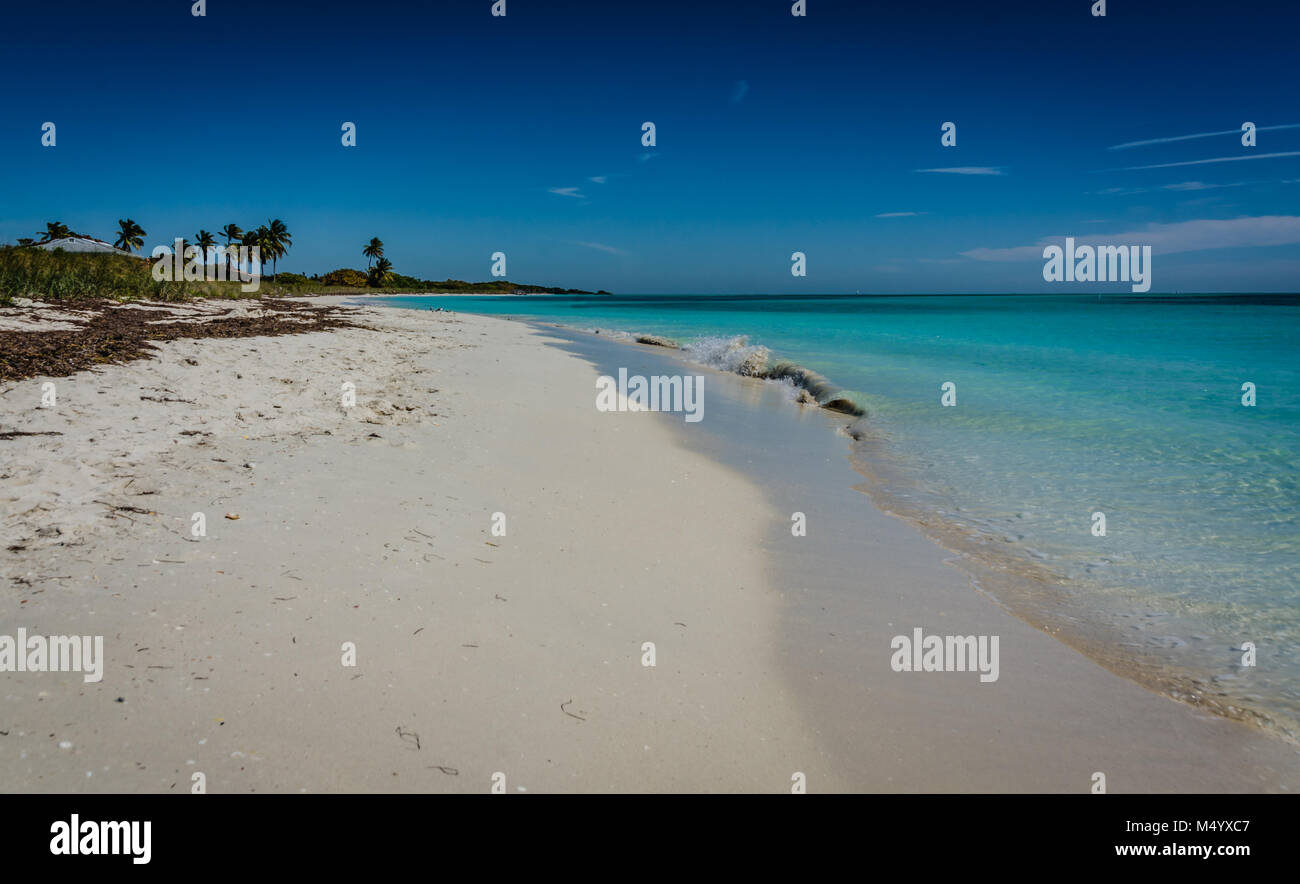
{"x":775,"y":134}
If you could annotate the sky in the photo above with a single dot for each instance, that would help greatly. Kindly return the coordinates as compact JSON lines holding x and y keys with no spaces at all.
{"x":775,"y":134}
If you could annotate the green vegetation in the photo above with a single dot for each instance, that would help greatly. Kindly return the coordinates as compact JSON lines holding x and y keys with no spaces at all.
{"x":278,"y":240}
{"x":205,"y":242}
{"x":130,"y":235}
{"x":37,"y":273}
{"x":397,"y":283}
{"x":42,"y":274}
{"x":55,"y":230}
{"x":352,"y":278}
{"x":496,"y":287}
{"x":231,"y":232}
{"x":380,"y":273}
{"x":272,"y":239}
{"x":404,"y":283}
{"x":286,"y":278}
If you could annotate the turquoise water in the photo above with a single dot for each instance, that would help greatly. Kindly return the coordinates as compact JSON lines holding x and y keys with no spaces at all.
{"x":1067,"y":405}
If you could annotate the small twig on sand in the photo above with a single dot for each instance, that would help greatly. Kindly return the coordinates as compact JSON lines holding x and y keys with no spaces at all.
{"x":181,"y":536}
{"x":13,"y":434}
{"x":123,"y":508}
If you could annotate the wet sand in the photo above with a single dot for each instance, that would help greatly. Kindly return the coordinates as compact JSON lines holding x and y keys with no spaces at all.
{"x":861,"y":576}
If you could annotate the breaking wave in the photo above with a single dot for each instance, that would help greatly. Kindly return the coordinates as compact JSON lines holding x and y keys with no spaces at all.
{"x":738,"y":356}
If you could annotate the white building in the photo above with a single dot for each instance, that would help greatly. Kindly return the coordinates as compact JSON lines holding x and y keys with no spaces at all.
{"x":80,"y":243}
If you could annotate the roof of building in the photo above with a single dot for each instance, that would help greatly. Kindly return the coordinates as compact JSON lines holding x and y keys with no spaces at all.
{"x":79,"y":243}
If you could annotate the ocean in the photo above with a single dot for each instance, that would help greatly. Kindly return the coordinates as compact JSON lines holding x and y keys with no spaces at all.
{"x":1066,"y":406}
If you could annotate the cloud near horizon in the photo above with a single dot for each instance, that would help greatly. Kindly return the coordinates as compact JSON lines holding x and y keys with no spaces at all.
{"x":1168,"y":239}
{"x":1180,"y":187}
{"x":967,"y":170}
{"x":566,"y":191}
{"x":601,"y":247}
{"x":901,"y":214}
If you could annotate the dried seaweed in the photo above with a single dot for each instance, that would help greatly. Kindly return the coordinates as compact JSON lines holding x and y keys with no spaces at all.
{"x":112,"y":334}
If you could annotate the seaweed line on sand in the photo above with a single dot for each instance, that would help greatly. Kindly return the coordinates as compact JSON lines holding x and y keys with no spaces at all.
{"x":111,"y":333}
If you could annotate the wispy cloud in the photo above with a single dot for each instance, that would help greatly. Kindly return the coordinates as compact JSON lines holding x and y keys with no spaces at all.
{"x":1180,"y":187}
{"x":1235,"y":159}
{"x":601,"y":247}
{"x":1201,"y":185}
{"x":566,"y":191}
{"x":1168,"y":239}
{"x":739,"y":91}
{"x":967,"y":170}
{"x":598,"y":179}
{"x":1173,"y":138}
{"x":901,"y":214}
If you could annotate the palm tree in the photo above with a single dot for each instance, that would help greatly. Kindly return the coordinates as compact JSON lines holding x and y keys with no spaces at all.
{"x":54,"y":230}
{"x":374,"y":250}
{"x":380,"y":273}
{"x":130,"y":235}
{"x":231,"y":232}
{"x":204,"y":241}
{"x":251,"y":239}
{"x":281,"y":239}
{"x":265,"y":243}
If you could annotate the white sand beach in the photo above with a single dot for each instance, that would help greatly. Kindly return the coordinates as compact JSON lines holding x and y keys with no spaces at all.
{"x":478,"y":654}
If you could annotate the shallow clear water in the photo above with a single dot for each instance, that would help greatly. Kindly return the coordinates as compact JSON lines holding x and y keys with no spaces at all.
{"x":1066,"y":406}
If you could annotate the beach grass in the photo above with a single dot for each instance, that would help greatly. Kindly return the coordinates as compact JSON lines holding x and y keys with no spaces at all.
{"x":59,"y":275}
